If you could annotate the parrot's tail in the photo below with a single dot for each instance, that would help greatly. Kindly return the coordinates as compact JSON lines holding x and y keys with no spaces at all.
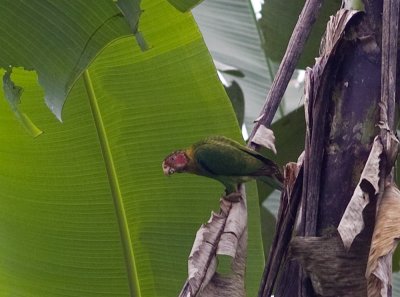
{"x":271,"y":175}
{"x":272,"y":181}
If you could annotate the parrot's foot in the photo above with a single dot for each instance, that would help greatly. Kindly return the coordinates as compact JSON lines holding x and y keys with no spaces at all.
{"x":233,"y":197}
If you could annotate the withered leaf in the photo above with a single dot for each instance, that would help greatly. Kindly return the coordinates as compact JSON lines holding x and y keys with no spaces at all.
{"x":384,"y":241}
{"x":265,"y":137}
{"x":219,"y":236}
{"x":352,"y":222}
{"x":335,"y":30}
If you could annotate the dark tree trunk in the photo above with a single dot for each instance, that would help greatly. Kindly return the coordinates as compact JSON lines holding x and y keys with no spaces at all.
{"x":350,"y":98}
{"x":352,"y":116}
{"x":351,"y":94}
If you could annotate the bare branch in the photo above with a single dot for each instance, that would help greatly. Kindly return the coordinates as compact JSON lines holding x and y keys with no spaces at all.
{"x":290,"y":201}
{"x":295,"y":47}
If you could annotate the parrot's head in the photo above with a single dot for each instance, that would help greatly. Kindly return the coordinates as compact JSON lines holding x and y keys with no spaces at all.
{"x":175,"y":162}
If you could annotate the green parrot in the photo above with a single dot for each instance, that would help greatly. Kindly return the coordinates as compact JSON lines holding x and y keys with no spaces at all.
{"x":225,"y":160}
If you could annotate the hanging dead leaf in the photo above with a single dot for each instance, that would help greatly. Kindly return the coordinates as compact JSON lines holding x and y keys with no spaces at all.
{"x":224,"y":234}
{"x":352,"y":222}
{"x":234,"y":227}
{"x":384,"y":241}
{"x":202,"y":262}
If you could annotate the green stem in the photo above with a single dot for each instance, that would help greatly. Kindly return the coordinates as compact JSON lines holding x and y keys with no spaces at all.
{"x":115,"y":189}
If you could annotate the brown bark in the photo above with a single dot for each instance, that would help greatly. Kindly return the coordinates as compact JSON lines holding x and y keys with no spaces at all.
{"x":347,"y":105}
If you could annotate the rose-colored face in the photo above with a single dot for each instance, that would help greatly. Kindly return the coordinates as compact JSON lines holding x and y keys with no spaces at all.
{"x":175,"y":162}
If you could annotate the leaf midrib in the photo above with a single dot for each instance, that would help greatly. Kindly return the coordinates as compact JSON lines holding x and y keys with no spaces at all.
{"x":115,"y":189}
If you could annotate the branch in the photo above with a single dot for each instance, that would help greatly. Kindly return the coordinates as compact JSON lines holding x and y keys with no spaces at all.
{"x":285,"y":222}
{"x":295,"y":47}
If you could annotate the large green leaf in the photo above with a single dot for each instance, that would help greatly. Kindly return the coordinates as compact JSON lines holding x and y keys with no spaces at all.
{"x":85,"y":208}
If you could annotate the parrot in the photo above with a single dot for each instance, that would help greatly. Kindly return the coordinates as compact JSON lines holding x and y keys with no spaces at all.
{"x":226,"y":161}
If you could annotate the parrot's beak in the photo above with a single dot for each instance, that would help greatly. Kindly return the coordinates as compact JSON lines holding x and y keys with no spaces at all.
{"x":167,"y":170}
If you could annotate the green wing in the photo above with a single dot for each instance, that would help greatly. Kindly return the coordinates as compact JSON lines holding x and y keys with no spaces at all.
{"x":222,"y":156}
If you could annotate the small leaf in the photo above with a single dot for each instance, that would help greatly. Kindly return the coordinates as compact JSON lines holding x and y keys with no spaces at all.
{"x":265,"y":137}
{"x":384,"y":242}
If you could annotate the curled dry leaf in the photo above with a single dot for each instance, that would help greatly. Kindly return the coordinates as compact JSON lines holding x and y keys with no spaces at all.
{"x":265,"y":137}
{"x":335,"y":30}
{"x":390,"y":144}
{"x":384,"y":241}
{"x":352,"y":222}
{"x":202,"y":261}
{"x":290,"y":173}
{"x":234,"y":227}
{"x":221,"y":235}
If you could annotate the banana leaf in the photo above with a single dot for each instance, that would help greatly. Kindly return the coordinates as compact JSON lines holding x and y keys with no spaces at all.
{"x":86,"y":210}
